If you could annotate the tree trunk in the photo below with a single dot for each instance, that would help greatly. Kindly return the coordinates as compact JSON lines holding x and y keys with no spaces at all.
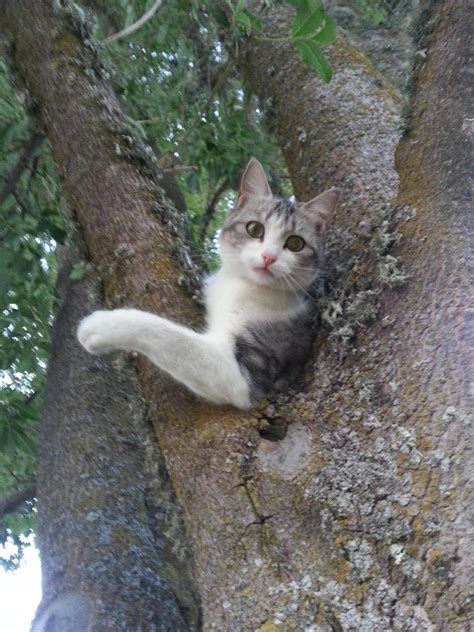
{"x":112,"y":546}
{"x":389,"y":45}
{"x":355,"y":519}
{"x":391,"y":467}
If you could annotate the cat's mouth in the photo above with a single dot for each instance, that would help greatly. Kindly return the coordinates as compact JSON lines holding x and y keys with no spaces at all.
{"x":263,"y":271}
{"x":263,"y":276}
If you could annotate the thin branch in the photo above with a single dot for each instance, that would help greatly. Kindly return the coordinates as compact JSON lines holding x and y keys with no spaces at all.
{"x":14,"y":501}
{"x":22,"y":163}
{"x":226,"y":68}
{"x":197,"y":119}
{"x":23,"y":207}
{"x":211,"y":209}
{"x":175,"y":168}
{"x":133,"y":27}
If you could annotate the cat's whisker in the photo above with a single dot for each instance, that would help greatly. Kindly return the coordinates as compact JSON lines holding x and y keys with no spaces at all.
{"x":287,"y":279}
{"x":297,"y":267}
{"x":291,"y":280}
{"x":282,"y":288}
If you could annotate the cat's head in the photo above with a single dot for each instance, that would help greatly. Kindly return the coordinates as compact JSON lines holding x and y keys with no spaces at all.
{"x":271,"y":241}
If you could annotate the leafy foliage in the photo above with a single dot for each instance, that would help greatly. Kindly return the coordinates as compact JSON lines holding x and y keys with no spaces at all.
{"x":312,"y":26}
{"x":30,"y":224}
{"x":14,"y":536}
{"x":182,"y":91}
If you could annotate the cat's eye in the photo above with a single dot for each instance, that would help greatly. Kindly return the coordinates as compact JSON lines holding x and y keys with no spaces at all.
{"x":295,"y":243}
{"x":255,"y":229}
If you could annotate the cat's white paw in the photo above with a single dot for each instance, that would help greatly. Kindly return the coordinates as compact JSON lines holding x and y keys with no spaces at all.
{"x":97,"y":333}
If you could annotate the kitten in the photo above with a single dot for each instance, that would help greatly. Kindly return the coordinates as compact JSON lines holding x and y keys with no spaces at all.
{"x":258,"y":332}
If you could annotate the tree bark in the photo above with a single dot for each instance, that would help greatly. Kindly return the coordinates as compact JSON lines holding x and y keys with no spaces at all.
{"x":356,"y":518}
{"x":112,"y":185}
{"x":389,"y":45}
{"x":390,"y":472}
{"x":113,"y":550}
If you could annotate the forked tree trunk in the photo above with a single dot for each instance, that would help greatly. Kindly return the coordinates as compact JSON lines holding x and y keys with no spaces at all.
{"x":357,"y":519}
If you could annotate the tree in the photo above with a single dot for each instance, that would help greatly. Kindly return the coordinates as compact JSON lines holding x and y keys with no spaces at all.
{"x":340,"y":505}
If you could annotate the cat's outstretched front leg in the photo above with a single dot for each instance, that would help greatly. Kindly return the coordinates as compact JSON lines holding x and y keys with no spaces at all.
{"x":206,"y":366}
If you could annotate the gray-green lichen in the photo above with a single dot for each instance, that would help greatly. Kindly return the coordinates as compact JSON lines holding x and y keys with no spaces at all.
{"x":346,"y":308}
{"x":390,"y":273}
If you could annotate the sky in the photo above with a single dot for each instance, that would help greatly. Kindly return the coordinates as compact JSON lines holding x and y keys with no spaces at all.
{"x":20,"y":593}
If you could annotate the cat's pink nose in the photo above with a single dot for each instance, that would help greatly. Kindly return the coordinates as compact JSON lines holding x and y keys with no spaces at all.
{"x":268,"y":259}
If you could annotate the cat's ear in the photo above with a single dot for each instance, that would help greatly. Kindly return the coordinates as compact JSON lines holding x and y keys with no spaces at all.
{"x":254,"y":182}
{"x":322,"y":208}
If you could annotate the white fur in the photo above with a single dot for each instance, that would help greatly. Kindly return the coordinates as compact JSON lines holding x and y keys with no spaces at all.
{"x":204,"y":362}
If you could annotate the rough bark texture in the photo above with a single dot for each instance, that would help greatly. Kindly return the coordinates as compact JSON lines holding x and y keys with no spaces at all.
{"x":388,"y":475}
{"x":122,"y":524}
{"x":343,"y":134}
{"x":352,"y":521}
{"x":389,"y":45}
{"x":111,"y":538}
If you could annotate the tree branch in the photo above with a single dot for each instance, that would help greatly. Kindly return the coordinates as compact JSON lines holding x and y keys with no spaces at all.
{"x":21,"y":164}
{"x":211,"y":209}
{"x":175,"y":168}
{"x":135,"y":26}
{"x":13,"y":501}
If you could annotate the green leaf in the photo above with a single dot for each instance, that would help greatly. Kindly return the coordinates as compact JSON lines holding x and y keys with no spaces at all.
{"x":249,"y":22}
{"x":327,"y":35}
{"x":218,"y":14}
{"x":256,"y":21}
{"x":299,"y":3}
{"x":314,"y":57}
{"x":57,"y":233}
{"x":309,"y":17}
{"x":25,"y":443}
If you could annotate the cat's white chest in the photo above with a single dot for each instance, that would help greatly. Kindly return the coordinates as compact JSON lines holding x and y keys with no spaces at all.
{"x":227,"y":305}
{"x":232,"y":303}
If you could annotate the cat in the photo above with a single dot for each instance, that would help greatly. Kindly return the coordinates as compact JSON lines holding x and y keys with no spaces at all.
{"x":258,"y":333}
